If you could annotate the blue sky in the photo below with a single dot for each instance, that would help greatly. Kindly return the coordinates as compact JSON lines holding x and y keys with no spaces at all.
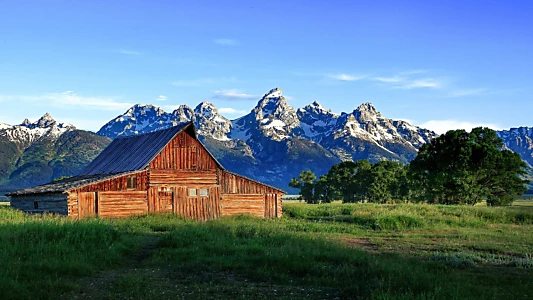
{"x":438,"y":64}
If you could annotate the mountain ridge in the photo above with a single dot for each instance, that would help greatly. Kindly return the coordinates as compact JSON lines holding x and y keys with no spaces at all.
{"x":272,"y":143}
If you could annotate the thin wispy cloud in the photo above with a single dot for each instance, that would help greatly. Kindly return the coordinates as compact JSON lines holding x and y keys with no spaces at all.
{"x":442,"y":126}
{"x":226,"y":42}
{"x":233,"y":95}
{"x":202,"y":81}
{"x":421,"y":83}
{"x":345,"y":77}
{"x":161,"y":98}
{"x":467,"y":92}
{"x":231,"y":111}
{"x":128,"y":52}
{"x":393,"y":79}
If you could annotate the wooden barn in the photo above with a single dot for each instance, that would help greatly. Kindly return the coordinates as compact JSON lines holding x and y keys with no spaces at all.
{"x":164,"y":171}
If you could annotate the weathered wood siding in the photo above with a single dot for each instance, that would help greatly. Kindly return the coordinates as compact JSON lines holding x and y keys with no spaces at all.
{"x":117,"y":184}
{"x":87,"y":204}
{"x":72,"y":202}
{"x":197,"y":207}
{"x":168,"y":178}
{"x":183,"y":152}
{"x":271,"y":205}
{"x":233,"y":204}
{"x":235,"y":184}
{"x":52,"y":203}
{"x":121,"y":204}
{"x":111,"y":204}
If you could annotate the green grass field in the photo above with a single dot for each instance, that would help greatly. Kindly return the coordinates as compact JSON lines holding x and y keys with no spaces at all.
{"x":313,"y":252}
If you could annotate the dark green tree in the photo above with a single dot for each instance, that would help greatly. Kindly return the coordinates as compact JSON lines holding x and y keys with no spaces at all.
{"x":305,"y":183}
{"x":384,"y":182}
{"x":324,"y":191}
{"x":342,"y":177}
{"x":465,"y":168}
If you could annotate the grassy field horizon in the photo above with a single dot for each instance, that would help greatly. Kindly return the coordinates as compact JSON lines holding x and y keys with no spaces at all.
{"x":397,"y":251}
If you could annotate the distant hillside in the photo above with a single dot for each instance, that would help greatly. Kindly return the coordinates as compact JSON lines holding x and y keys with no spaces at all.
{"x":35,"y":153}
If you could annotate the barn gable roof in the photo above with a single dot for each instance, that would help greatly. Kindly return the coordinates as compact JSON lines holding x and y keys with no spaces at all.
{"x":132,"y":152}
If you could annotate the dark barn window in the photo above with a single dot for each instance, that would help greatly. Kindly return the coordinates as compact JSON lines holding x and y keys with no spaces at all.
{"x":132,"y":182}
{"x":36,"y":205}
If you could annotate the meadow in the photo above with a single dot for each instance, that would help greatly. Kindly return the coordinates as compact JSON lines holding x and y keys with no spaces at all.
{"x":343,"y":251}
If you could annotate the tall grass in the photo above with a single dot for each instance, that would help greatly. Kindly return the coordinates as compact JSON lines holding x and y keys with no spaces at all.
{"x":305,"y":253}
{"x":407,"y":216}
{"x":39,"y":254}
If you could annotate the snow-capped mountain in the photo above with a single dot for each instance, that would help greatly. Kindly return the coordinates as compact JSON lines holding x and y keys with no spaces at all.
{"x":138,"y":119}
{"x":365,"y":133}
{"x":210,"y":123}
{"x":519,"y":140}
{"x":282,"y":141}
{"x":272,"y":143}
{"x":34,"y":153}
{"x":316,"y":121}
{"x":26,"y":133}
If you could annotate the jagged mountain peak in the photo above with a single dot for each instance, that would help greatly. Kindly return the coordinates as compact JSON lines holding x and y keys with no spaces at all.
{"x":366,"y":112}
{"x":45,"y":121}
{"x":274,"y":93}
{"x":141,"y":109}
{"x":367,"y":106}
{"x":206,"y":109}
{"x":210,"y":123}
{"x":316,"y":108}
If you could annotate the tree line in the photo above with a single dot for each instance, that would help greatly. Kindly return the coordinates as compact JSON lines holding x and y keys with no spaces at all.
{"x":458,"y":167}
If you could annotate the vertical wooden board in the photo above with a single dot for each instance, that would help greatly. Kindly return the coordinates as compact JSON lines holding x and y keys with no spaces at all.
{"x":86,"y":204}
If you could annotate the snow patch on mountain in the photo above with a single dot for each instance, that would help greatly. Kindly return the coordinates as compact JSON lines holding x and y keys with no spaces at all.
{"x":210,"y":123}
{"x":27,"y":132}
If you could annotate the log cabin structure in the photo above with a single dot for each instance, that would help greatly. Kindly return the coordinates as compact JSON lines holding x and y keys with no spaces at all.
{"x":168,"y":170}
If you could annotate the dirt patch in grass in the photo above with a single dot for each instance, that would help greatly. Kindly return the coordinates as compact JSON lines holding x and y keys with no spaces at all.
{"x":362,"y":243}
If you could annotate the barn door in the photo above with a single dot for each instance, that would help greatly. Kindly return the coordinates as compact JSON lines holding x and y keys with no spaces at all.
{"x":87,"y":205}
{"x":271,"y":201}
{"x":197,"y":202}
{"x":164,"y":196}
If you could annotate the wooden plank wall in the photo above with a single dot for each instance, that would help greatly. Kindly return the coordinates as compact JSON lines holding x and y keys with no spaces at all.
{"x":166,"y":201}
{"x":86,"y":204}
{"x":172,"y":177}
{"x":235,"y":184}
{"x":233,"y":204}
{"x":270,"y":205}
{"x":122,"y":204}
{"x":184,"y":152}
{"x":72,"y":203}
{"x":53,"y":203}
{"x":199,"y":208}
{"x":117,"y":184}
